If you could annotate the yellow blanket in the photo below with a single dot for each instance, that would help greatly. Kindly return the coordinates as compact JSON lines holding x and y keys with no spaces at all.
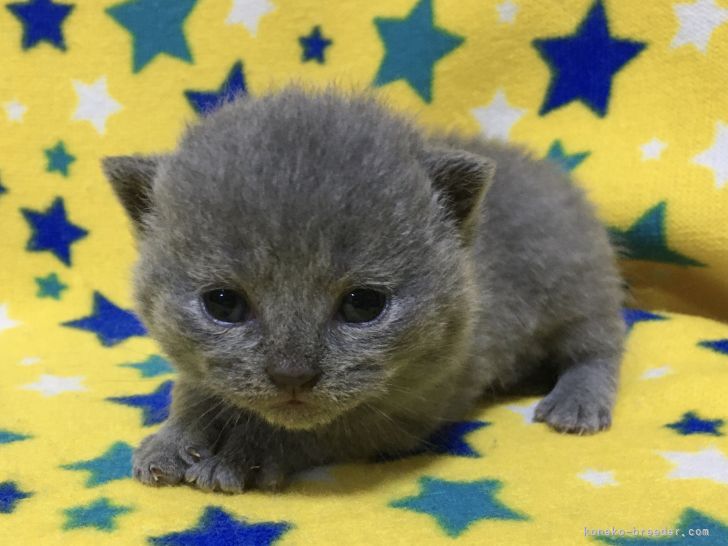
{"x":631,"y":96}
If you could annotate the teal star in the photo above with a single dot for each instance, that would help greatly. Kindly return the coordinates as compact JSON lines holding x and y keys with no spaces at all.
{"x":690,"y":519}
{"x":7,"y":437}
{"x":50,"y":286}
{"x":646,"y":239}
{"x":456,"y":505}
{"x":413,"y":45}
{"x":114,"y":464}
{"x":568,"y":162}
{"x":152,"y":367}
{"x":100,"y":514}
{"x":156,"y":27}
{"x":59,"y":159}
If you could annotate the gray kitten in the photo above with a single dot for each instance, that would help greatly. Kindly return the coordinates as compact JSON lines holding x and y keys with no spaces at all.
{"x":333,"y":284}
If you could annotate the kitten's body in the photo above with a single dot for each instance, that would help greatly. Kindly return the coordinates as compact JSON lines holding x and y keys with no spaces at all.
{"x":295,"y":198}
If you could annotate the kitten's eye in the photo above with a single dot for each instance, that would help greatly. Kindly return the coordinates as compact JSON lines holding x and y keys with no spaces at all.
{"x":225,"y":305}
{"x":362,"y":305}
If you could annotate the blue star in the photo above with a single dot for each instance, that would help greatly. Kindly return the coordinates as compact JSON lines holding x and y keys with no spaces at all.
{"x":413,"y":45}
{"x":690,"y":519}
{"x":314,"y":46}
{"x":3,"y":189}
{"x":100,"y":514}
{"x":217,"y":527}
{"x":41,"y":20}
{"x":692,"y":424}
{"x":447,"y":440}
{"x":114,"y":464}
{"x":719,"y":345}
{"x":10,"y":495}
{"x":110,"y":323}
{"x":59,"y":159}
{"x":205,"y":102}
{"x":152,"y":367}
{"x":646,"y":239}
{"x":154,"y":406}
{"x":50,"y":286}
{"x":633,"y":316}
{"x":156,"y":27}
{"x":584,"y":63}
{"x":568,"y":162}
{"x":7,"y":437}
{"x":52,"y":231}
{"x":456,"y":505}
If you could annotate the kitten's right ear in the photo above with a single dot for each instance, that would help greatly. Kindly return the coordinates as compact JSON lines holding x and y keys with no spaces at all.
{"x":132,"y":176}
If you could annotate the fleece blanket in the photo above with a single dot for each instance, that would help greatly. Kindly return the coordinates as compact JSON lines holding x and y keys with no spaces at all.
{"x":629,"y":96}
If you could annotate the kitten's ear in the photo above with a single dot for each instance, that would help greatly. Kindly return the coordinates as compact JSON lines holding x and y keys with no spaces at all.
{"x":131,"y":176}
{"x":462,"y":179}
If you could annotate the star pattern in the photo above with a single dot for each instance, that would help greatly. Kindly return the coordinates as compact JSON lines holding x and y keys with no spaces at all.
{"x":652,"y":149}
{"x":113,"y":464}
{"x":3,"y":189}
{"x":690,"y":423}
{"x":50,"y":286}
{"x":698,"y":20}
{"x":53,"y":385}
{"x":524,"y":411}
{"x":708,"y":464}
{"x":10,"y":496}
{"x":584,"y":64}
{"x":7,"y":437}
{"x":507,"y":12}
{"x":206,"y":102}
{"x":95,"y":105}
{"x":457,"y":505}
{"x":100,"y":514}
{"x":151,"y":367}
{"x":656,"y":373}
{"x":15,"y":110}
{"x":249,"y":13}
{"x":5,"y":321}
{"x":110,"y":323}
{"x":497,"y":119}
{"x":52,"y":231}
{"x":715,"y":158}
{"x":154,"y":406}
{"x":216,"y":526}
{"x":59,"y":159}
{"x":598,"y":478}
{"x":156,"y":28}
{"x":718,"y":345}
{"x":42,"y":21}
{"x":646,"y":239}
{"x":690,"y":519}
{"x":314,"y":46}
{"x":568,"y":162}
{"x":633,"y":316}
{"x":413,"y":44}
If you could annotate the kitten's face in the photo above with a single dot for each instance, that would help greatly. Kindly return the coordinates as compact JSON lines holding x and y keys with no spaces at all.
{"x":296,"y":240}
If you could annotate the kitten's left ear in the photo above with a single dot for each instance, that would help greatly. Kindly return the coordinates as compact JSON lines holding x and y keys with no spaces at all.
{"x":462,"y":179}
{"x":132,"y":176}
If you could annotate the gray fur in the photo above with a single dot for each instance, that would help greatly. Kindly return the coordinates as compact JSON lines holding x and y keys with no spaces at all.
{"x":295,"y":197}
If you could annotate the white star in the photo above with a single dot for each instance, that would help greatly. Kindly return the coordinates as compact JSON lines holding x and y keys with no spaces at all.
{"x":15,"y":110}
{"x":716,"y":157}
{"x":248,"y":13}
{"x":94,"y":103}
{"x":5,"y":321}
{"x":597,"y":478}
{"x":29,"y":361}
{"x":697,"y":23}
{"x":709,"y":464}
{"x":652,"y":149}
{"x":655,"y":373}
{"x":507,"y":11}
{"x":525,"y":411}
{"x":51,"y":385}
{"x":498,"y":117}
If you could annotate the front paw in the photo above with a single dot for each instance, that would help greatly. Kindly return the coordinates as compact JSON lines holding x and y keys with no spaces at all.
{"x":164,"y":457}
{"x":574,"y":412}
{"x":223,"y":473}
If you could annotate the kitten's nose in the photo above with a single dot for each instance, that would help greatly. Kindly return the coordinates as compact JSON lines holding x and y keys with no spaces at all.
{"x":286,"y":375}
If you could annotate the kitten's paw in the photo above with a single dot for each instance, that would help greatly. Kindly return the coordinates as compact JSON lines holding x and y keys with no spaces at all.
{"x":217,"y":473}
{"x":164,"y":457}
{"x":573,"y":412}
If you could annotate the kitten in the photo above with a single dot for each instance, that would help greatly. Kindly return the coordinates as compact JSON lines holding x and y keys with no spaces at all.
{"x":333,"y":283}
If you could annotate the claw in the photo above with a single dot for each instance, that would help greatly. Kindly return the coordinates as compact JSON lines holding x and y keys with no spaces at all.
{"x":194,"y":454}
{"x":156,"y":472}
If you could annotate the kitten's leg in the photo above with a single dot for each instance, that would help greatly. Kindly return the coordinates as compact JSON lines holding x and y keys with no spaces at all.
{"x":588,"y":356}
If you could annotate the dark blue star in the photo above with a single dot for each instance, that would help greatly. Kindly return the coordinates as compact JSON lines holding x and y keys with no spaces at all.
{"x":152,"y":367}
{"x":218,"y":527}
{"x":10,"y":495}
{"x":314,"y":46}
{"x":692,"y":424}
{"x":7,"y":437}
{"x":568,"y":162}
{"x":156,"y":27}
{"x":718,"y":345}
{"x":50,"y":286}
{"x":205,"y":102}
{"x":114,"y":464}
{"x":110,"y":323}
{"x":59,"y":159}
{"x":41,"y":20}
{"x":633,"y":316}
{"x":154,"y":406}
{"x":3,"y":189}
{"x":457,"y":505}
{"x":690,"y":519}
{"x":100,"y":514}
{"x":413,"y":45}
{"x":447,"y":440}
{"x":584,"y":63}
{"x":52,"y":231}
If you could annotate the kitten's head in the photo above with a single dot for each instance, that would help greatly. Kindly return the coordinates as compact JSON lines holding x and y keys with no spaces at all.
{"x":303,"y":254}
